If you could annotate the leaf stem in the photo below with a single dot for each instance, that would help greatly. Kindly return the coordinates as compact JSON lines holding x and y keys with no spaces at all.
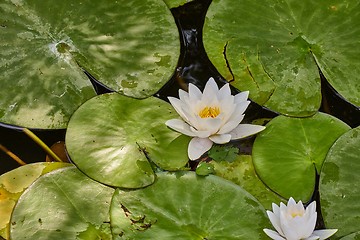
{"x":41,"y":144}
{"x":12,"y":155}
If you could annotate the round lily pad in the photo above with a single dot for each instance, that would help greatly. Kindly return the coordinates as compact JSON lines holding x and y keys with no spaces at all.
{"x":111,"y":137}
{"x":129,"y":46}
{"x":290,"y":151}
{"x":13,"y":184}
{"x":339,"y":181}
{"x":63,"y":204}
{"x":185,"y":206}
{"x":275,"y":50}
{"x":241,"y":172}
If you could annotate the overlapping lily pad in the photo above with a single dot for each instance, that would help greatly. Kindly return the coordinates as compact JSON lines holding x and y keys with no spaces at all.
{"x":289,"y":152}
{"x":274,"y":49}
{"x":241,"y":171}
{"x":184,"y":206}
{"x":63,"y":204}
{"x":111,"y":137}
{"x":12,"y":185}
{"x":130,"y":46}
{"x":339,"y":191}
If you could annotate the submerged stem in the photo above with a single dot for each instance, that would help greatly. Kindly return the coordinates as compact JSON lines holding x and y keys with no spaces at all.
{"x":12,"y":155}
{"x":41,"y":144}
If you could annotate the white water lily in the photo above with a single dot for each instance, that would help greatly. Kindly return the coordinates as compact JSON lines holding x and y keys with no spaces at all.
{"x":293,"y":222}
{"x":213,"y":116}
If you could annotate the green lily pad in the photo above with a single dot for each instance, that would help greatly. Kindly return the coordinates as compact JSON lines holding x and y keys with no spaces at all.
{"x":184,"y":206}
{"x":129,"y":46}
{"x":63,"y":204}
{"x":274,"y":50}
{"x":14,"y":183}
{"x":289,"y":152}
{"x":176,"y":3}
{"x":339,"y":181}
{"x":111,"y":137}
{"x":241,"y":172}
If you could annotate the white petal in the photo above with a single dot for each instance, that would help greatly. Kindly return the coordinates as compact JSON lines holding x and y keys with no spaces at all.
{"x":178,"y":105}
{"x":184,"y":96}
{"x":312,"y":238}
{"x":210,"y":92}
{"x":324,"y":233}
{"x":194,"y":93}
{"x":273,"y":235}
{"x":311,"y":209}
{"x":180,"y":126}
{"x":245,"y":130}
{"x":241,"y":107}
{"x":209,"y":124}
{"x":241,"y":97}
{"x":287,"y":227}
{"x":230,"y":125}
{"x":220,"y":138}
{"x":224,"y":92}
{"x":198,"y":146}
{"x":234,"y":119}
{"x":310,"y":225}
{"x":275,"y":221}
{"x":201,"y":134}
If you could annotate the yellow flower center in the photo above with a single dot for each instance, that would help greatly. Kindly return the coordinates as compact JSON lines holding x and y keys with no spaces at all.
{"x":295,"y":214}
{"x":207,"y":112}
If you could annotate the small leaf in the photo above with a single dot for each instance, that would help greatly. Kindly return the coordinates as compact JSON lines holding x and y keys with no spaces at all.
{"x":223,"y":153}
{"x":204,"y":169}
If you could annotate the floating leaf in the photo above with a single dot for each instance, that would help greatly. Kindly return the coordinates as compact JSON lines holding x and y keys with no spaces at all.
{"x":12,"y":185}
{"x":241,"y":172}
{"x":129,"y":46}
{"x":204,"y":169}
{"x":289,"y":152}
{"x":63,"y":204}
{"x":223,"y":153}
{"x":339,"y":180}
{"x":111,"y":137}
{"x":274,"y":49}
{"x":184,"y":206}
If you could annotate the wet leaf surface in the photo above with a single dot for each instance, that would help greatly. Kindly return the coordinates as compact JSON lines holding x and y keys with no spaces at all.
{"x":275,"y":49}
{"x":185,"y":206}
{"x":64,"y":204}
{"x":289,"y":152}
{"x":129,"y":46}
{"x":111,"y":137}
{"x":14,"y":183}
{"x":339,"y":182}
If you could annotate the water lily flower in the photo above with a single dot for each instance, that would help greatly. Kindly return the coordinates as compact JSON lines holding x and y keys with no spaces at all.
{"x":213,"y":116}
{"x":293,"y":222}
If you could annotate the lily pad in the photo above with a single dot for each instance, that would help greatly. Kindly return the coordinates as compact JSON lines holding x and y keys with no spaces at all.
{"x":184,"y":206}
{"x":241,"y":172}
{"x":63,"y":204}
{"x":176,"y":3}
{"x":339,"y":181}
{"x":290,"y":151}
{"x":14,"y":183}
{"x":274,"y":50}
{"x":111,"y":137}
{"x":129,"y":46}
